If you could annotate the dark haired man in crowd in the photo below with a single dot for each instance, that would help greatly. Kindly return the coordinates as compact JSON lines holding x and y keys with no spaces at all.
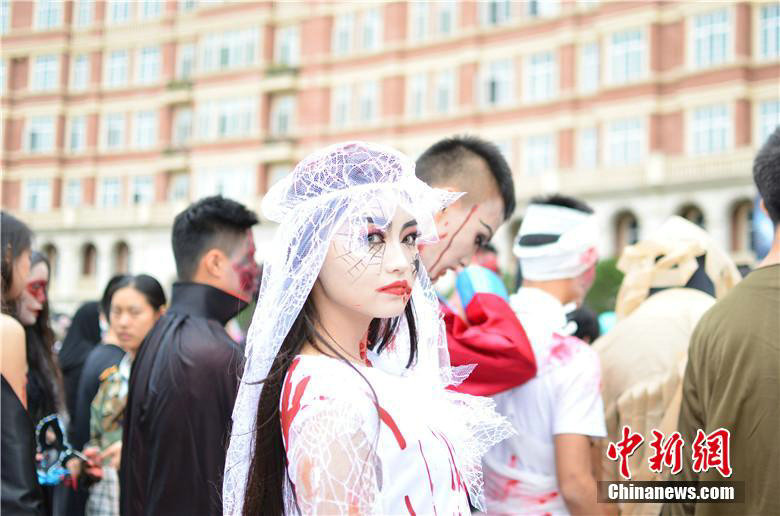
{"x":490,"y":336}
{"x":732,"y":378}
{"x":185,"y":378}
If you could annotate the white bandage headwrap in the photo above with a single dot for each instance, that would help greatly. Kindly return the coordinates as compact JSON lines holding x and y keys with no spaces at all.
{"x":568,"y":242}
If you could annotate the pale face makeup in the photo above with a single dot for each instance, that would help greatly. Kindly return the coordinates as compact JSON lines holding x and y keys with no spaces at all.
{"x":376,"y":280}
{"x":33,"y":296}
{"x":131,"y":318}
{"x":463,"y":228}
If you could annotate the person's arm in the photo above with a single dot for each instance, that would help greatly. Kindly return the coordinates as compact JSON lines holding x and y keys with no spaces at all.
{"x":575,"y":474}
{"x":13,"y":356}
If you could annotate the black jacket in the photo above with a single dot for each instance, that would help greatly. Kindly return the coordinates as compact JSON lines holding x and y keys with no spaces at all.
{"x":182,"y":389}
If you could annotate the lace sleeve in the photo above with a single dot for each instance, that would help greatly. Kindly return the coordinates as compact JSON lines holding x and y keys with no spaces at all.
{"x":332,"y":459}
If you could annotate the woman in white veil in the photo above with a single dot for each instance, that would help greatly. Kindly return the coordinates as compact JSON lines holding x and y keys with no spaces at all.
{"x":342,"y":407}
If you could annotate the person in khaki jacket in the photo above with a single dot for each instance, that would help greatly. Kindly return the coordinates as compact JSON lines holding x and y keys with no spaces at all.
{"x":671,"y":278}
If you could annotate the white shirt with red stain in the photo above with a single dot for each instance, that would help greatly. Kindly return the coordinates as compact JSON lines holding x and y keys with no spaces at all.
{"x":564,"y":398}
{"x":347,"y":454}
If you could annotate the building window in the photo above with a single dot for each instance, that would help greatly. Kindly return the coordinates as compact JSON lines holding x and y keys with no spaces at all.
{"x":626,"y":56}
{"x":287,"y":50}
{"x":185,"y":67}
{"x":77,"y":135}
{"x":116,"y":68}
{"x":711,"y":37}
{"x":37,"y":195}
{"x":84,"y":12}
{"x":498,"y":82}
{"x":369,"y":101}
{"x":371,"y":30}
{"x":540,"y":73}
{"x":40,"y":136}
{"x":118,"y":11}
{"x":5,"y":16}
{"x":73,"y":190}
{"x":79,"y":78}
{"x":542,"y":8}
{"x":496,"y":12}
{"x":589,"y":67}
{"x":625,"y":141}
{"x":342,"y":34}
{"x":114,"y":131}
{"x":48,"y":15}
{"x":149,"y":65}
{"x":46,"y":71}
{"x":145,"y":129}
{"x":770,"y":31}
{"x":626,"y":231}
{"x":180,"y":187}
{"x":588,"y":147}
{"x":342,"y":100}
{"x":121,"y":258}
{"x":692,"y":213}
{"x":88,"y":260}
{"x":233,"y":182}
{"x":711,"y":129}
{"x":768,"y":119}
{"x":187,"y":5}
{"x":418,"y":94}
{"x":419,"y":20}
{"x":150,"y":9}
{"x":446,"y":16}
{"x":277,"y":172}
{"x":282,"y":115}
{"x":539,"y":154}
{"x":182,"y":127}
{"x":231,"y":49}
{"x":110,"y":192}
{"x":445,"y":91}
{"x":230,"y":118}
{"x":143,"y":190}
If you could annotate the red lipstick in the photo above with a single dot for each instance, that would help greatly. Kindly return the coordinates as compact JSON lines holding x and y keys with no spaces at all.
{"x":399,"y":288}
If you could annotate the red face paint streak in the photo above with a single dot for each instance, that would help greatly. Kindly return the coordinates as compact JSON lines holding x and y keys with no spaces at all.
{"x":447,"y":247}
{"x":290,"y":411}
{"x":386,"y":419}
{"x":409,"y":505}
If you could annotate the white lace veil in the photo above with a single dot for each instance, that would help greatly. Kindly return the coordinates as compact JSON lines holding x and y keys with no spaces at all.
{"x":331,"y":192}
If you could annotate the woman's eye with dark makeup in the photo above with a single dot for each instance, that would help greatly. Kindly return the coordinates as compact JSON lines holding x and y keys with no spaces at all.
{"x":411,"y":238}
{"x":375,"y":237}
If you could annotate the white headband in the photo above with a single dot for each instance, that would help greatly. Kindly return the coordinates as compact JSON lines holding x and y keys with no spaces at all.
{"x":569,"y":255}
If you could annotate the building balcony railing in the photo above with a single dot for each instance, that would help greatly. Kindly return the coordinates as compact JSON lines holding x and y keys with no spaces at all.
{"x":657,"y":170}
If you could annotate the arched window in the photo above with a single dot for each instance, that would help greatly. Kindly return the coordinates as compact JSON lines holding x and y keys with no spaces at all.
{"x":50,"y":252}
{"x":626,"y":231}
{"x":694,"y":214}
{"x":121,"y":258}
{"x":742,"y":238}
{"x":88,"y":260}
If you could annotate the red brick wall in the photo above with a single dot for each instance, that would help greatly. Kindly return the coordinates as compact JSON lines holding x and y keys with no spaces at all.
{"x":567,"y":67}
{"x":22,"y":14}
{"x":742,"y":32}
{"x":395,"y":22}
{"x":393,"y":96}
{"x":315,"y":37}
{"x":466,"y":82}
{"x":566,"y":148}
{"x":742,"y":123}
{"x":11,"y":194}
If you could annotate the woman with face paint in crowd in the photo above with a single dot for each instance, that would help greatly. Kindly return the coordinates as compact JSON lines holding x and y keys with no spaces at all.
{"x":19,"y":489}
{"x":342,"y":407}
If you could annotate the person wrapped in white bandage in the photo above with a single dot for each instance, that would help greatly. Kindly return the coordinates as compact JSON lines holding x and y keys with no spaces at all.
{"x":342,"y":407}
{"x":545,"y":468}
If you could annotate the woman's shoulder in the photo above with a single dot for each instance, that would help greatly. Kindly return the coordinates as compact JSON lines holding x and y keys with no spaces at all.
{"x":10,"y":327}
{"x":12,"y":337}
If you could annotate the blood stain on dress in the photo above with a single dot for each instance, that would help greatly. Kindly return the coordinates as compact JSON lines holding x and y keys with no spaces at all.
{"x":409,"y":505}
{"x":388,"y":420}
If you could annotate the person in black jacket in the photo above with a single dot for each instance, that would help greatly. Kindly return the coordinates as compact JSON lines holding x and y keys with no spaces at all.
{"x":20,"y":492}
{"x":82,"y":336}
{"x":185,"y":376}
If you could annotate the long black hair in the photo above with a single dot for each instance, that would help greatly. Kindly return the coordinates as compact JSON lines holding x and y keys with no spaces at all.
{"x":44,"y":370}
{"x":15,"y":238}
{"x":268,"y":469}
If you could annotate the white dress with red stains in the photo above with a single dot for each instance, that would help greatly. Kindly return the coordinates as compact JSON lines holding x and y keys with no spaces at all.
{"x":348,"y":455}
{"x":564,"y":398}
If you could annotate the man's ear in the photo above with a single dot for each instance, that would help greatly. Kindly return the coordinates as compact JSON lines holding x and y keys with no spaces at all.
{"x":213,"y":263}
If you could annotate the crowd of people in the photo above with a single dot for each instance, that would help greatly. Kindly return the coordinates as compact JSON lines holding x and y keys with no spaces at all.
{"x":359,"y":388}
